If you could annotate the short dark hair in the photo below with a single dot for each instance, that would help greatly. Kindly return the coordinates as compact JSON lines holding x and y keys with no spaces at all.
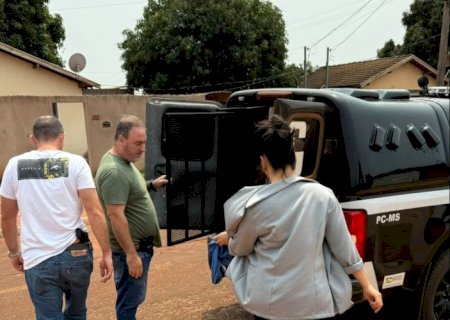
{"x":274,"y":139}
{"x":126,"y":123}
{"x":47,"y":128}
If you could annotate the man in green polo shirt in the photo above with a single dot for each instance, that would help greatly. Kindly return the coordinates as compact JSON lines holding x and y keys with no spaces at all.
{"x":131,"y":216}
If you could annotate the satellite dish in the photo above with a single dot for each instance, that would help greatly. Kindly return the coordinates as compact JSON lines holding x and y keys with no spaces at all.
{"x":77,"y":62}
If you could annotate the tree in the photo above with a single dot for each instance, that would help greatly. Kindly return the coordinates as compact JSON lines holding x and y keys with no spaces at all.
{"x":198,"y":45}
{"x":390,"y":49}
{"x":29,"y":26}
{"x":293,"y":75}
{"x":423,"y":29}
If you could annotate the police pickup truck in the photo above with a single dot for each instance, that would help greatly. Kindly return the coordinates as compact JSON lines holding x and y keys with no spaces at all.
{"x":384,"y":153}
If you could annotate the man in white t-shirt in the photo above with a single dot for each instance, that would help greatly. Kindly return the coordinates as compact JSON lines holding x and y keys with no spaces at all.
{"x":50,"y":187}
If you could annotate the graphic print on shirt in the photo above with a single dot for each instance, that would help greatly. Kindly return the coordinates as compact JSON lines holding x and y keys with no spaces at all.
{"x":49,"y":168}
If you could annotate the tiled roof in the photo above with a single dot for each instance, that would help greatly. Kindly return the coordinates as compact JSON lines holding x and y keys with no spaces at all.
{"x":84,"y":83}
{"x":357,"y":74}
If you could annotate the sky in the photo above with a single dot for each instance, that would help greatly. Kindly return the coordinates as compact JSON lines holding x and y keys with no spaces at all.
{"x":353,"y":30}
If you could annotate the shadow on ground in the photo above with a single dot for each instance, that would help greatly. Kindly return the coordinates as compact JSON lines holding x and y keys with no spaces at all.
{"x":233,"y":311}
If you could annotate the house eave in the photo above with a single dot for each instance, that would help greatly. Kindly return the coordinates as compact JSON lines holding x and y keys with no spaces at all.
{"x":40,"y":63}
{"x":412,"y":58}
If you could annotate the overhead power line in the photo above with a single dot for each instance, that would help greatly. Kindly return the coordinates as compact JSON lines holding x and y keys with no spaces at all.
{"x":231,"y":86}
{"x":341,"y":24}
{"x":359,"y":26}
{"x":324,"y":16}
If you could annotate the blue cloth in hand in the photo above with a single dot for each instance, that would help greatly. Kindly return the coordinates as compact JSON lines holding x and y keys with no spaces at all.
{"x":218,"y":258}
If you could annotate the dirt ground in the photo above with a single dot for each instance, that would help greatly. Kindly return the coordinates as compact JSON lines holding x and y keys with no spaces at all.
{"x":180,"y":287}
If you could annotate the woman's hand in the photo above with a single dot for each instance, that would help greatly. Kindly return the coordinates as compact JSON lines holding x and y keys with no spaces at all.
{"x":221,"y":238}
{"x":374,"y":297}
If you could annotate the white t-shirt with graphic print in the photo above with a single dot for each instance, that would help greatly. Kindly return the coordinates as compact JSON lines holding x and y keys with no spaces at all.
{"x":45,"y":185}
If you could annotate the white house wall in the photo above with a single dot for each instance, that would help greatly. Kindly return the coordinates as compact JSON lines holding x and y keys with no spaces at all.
{"x":403,"y":77}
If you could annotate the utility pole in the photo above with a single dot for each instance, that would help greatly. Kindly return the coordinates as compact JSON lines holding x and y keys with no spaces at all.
{"x":443,"y":59}
{"x":304,"y":65}
{"x":327,"y":69}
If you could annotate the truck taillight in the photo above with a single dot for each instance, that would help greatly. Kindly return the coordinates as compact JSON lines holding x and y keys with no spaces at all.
{"x":356,"y":224}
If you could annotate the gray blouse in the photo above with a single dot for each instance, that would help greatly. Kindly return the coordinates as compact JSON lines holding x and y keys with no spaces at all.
{"x":292,"y":249}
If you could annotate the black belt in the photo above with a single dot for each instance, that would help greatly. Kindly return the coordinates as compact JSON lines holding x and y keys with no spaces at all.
{"x":79,"y":246}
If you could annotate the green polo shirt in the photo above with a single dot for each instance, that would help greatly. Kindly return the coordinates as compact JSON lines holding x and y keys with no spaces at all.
{"x":119,"y":182}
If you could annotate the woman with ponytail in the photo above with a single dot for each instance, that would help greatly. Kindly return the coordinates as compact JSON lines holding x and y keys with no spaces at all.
{"x":292,"y":250}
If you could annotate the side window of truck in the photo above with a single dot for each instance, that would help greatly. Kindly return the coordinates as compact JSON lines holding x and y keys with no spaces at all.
{"x":306,"y":142}
{"x":299,"y":128}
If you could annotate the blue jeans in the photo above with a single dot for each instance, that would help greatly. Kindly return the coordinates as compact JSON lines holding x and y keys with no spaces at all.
{"x":130,"y":291}
{"x":56,"y":277}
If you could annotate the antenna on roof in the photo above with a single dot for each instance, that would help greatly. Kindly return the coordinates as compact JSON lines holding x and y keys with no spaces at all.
{"x":77,"y":62}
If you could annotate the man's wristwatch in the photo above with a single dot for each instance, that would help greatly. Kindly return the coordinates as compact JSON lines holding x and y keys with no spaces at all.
{"x":150,"y":185}
{"x":14,"y":254}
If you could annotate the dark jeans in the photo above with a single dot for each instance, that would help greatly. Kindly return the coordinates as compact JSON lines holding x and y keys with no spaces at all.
{"x":56,"y":277}
{"x":131,"y":292}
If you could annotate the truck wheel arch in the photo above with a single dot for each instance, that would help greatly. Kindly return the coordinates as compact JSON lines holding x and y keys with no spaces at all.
{"x":435,"y":291}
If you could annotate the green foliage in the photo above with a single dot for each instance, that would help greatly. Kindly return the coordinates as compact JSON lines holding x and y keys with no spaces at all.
{"x":199,"y":45}
{"x":423,"y":28}
{"x":29,"y":26}
{"x":390,"y":49}
{"x":293,"y":75}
